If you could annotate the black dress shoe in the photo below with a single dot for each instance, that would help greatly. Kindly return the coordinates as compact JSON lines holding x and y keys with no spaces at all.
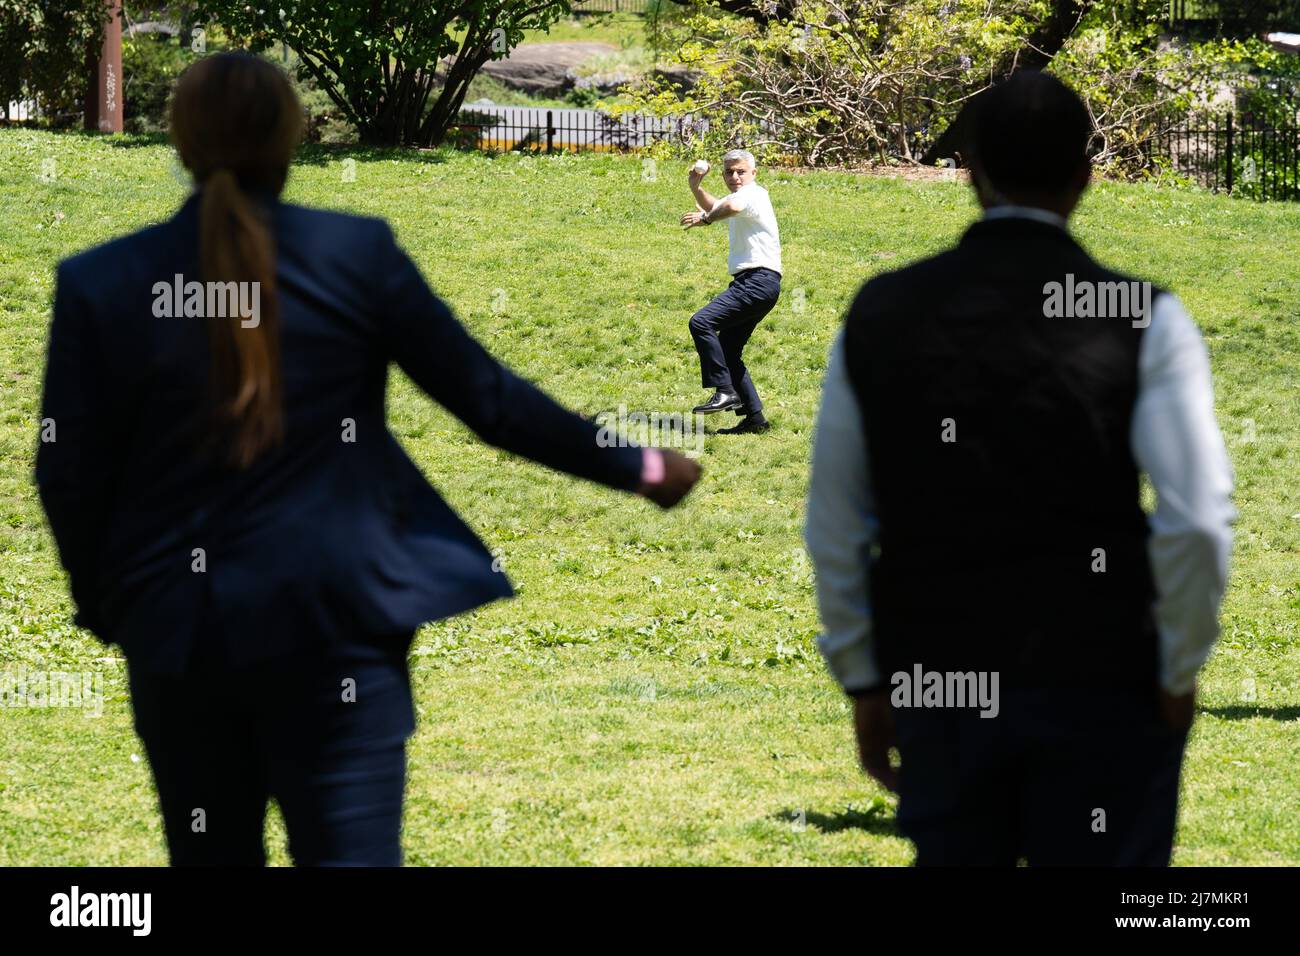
{"x":748,"y":425}
{"x":720,"y":402}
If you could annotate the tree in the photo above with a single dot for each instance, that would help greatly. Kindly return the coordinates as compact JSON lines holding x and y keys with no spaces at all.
{"x":842,"y":81}
{"x":760,"y":11}
{"x":1046,"y":26}
{"x":1062,"y":19}
{"x":397,"y":69}
{"x":42,"y":44}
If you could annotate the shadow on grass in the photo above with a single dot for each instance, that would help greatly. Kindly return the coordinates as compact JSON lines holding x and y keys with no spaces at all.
{"x":311,"y":154}
{"x":876,"y":818}
{"x":1248,"y":712}
{"x":322,"y":154}
{"x":124,"y":140}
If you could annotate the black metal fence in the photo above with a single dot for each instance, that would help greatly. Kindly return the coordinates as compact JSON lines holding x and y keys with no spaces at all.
{"x":612,"y":6}
{"x":1248,"y":159}
{"x":533,"y":129}
{"x":1233,"y":17}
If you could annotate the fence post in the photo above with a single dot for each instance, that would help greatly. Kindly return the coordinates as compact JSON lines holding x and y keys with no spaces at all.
{"x":1229,"y":152}
{"x":550,"y":132}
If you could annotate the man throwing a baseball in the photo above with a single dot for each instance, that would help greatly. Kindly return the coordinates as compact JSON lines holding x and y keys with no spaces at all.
{"x":722,"y":327}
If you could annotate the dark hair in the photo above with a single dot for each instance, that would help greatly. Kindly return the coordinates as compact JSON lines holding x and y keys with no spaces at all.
{"x":1029,"y":135}
{"x":236,"y":122}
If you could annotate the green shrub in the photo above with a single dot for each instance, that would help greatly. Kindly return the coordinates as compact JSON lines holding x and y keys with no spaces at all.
{"x":151,"y":62}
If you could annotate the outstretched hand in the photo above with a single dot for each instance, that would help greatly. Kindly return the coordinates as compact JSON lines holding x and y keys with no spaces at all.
{"x":693,"y":219}
{"x":680,"y":476}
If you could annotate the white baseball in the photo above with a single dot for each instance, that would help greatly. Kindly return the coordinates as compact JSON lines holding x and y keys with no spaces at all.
{"x":701,"y":166}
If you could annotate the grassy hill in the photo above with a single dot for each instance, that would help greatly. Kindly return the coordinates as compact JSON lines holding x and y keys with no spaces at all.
{"x":653,"y":695}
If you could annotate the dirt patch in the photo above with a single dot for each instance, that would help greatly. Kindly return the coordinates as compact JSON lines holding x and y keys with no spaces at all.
{"x":926,"y":174}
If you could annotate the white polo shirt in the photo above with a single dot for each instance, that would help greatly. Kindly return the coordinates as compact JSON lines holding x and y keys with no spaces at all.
{"x":755,"y":240}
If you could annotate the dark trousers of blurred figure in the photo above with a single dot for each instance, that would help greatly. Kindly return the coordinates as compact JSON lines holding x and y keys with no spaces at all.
{"x":723,"y":327}
{"x":1060,"y":777}
{"x":324,"y":736}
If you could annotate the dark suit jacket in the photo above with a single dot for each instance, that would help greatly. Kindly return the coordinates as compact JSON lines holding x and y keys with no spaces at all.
{"x":322,"y":541}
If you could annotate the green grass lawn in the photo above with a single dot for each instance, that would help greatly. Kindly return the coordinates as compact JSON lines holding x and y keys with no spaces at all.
{"x":653,"y":695}
{"x":618,"y":29}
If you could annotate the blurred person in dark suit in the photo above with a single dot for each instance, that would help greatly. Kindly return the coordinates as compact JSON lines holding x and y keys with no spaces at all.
{"x":230,"y":505}
{"x":975,"y":523}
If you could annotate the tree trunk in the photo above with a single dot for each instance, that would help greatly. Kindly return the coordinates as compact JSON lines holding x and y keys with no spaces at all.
{"x":434,"y":128}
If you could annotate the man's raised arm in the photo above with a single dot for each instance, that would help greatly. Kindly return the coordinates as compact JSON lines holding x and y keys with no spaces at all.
{"x":703,"y":198}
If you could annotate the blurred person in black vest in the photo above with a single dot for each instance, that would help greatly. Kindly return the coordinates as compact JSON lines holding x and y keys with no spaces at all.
{"x":992,"y":594}
{"x":230,"y":505}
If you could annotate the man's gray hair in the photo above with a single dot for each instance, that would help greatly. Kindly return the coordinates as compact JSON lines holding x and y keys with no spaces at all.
{"x":736,"y":154}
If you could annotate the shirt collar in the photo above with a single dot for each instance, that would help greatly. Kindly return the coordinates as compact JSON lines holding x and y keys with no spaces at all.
{"x":1026,"y":212}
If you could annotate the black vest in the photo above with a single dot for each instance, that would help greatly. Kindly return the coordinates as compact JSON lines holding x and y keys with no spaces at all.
{"x":998,"y":442}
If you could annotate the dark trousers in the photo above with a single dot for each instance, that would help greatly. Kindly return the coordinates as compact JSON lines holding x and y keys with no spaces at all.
{"x":1034,"y":781}
{"x":223,"y":740}
{"x":722,"y":328}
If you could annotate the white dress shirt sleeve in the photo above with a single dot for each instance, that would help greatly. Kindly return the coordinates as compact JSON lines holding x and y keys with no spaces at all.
{"x":1177,"y":442}
{"x":840,"y":528}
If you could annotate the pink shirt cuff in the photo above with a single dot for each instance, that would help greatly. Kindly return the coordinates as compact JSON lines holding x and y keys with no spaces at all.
{"x":652,"y":466}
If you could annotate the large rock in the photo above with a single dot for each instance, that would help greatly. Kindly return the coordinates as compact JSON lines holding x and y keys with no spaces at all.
{"x":543,"y":69}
